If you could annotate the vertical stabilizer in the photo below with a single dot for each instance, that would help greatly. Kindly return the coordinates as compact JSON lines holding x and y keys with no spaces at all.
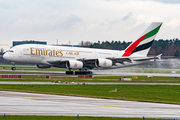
{"x":142,"y":45}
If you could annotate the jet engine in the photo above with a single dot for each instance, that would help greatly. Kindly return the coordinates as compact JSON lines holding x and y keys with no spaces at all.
{"x":74,"y":64}
{"x":43,"y":66}
{"x":102,"y":62}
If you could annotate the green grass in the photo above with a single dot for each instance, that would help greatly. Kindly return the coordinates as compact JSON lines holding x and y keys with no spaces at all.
{"x":150,"y":93}
{"x":19,"y":117}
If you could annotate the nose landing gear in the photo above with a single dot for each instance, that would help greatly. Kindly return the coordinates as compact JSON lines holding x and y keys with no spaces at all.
{"x":13,"y":68}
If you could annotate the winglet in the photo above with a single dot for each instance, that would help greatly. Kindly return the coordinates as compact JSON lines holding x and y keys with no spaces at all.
{"x":159,"y":56}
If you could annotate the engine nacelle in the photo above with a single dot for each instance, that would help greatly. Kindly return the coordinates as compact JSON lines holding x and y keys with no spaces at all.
{"x":102,"y":62}
{"x":43,"y":66}
{"x":74,"y":64}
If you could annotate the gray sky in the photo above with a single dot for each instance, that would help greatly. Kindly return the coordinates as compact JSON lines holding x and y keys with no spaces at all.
{"x":85,"y":20}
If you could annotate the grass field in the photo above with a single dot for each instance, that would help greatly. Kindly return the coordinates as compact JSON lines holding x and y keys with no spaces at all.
{"x":19,"y":117}
{"x":150,"y":93}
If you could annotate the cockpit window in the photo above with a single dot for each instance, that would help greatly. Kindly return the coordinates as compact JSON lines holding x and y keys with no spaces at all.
{"x":9,"y":51}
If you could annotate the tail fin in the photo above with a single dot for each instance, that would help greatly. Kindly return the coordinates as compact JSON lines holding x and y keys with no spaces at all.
{"x":144,"y":42}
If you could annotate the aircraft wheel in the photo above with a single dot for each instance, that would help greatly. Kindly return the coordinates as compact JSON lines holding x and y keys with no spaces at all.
{"x":83,"y":73}
{"x":13,"y":68}
{"x":78,"y":73}
{"x":89,"y":73}
{"x":69,"y":72}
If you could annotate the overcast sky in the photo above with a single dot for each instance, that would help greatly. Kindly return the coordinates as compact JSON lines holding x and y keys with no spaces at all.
{"x":85,"y":20}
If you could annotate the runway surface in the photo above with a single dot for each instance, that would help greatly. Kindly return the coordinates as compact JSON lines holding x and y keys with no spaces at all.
{"x":137,"y":74}
{"x":96,"y":73}
{"x":35,"y":71}
{"x":19,"y":103}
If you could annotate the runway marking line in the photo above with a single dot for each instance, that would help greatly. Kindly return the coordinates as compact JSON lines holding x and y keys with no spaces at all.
{"x":32,"y":98}
{"x":111,"y":106}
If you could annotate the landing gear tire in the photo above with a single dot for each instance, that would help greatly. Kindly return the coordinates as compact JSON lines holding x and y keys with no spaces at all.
{"x":13,"y":68}
{"x":78,"y":73}
{"x":83,"y":73}
{"x":69,"y":72}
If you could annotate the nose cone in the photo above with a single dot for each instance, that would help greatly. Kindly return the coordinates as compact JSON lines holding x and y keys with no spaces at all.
{"x":6,"y":56}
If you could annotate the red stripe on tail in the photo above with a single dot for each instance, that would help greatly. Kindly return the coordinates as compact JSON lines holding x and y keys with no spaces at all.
{"x":129,"y":50}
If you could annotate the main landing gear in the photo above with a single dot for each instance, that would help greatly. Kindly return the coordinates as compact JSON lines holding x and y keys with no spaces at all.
{"x":13,"y":68}
{"x":78,"y":73}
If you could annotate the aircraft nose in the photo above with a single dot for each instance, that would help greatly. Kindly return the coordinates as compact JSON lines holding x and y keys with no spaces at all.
{"x":6,"y":56}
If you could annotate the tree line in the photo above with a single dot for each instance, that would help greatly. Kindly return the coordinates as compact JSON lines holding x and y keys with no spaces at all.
{"x":165,"y":47}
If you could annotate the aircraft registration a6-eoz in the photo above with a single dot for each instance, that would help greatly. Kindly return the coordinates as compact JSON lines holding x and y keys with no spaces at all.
{"x":85,"y":59}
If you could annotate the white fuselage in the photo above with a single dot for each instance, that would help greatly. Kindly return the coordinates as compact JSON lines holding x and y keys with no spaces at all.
{"x":40,"y":54}
{"x":32,"y":53}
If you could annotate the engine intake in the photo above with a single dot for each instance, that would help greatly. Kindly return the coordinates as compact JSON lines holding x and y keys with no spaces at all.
{"x":74,"y":64}
{"x":102,"y":62}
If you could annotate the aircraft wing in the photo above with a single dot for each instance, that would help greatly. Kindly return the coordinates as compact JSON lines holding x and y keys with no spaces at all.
{"x":120,"y":60}
{"x":144,"y":59}
{"x":58,"y":63}
{"x":89,"y":63}
{"x":149,"y":58}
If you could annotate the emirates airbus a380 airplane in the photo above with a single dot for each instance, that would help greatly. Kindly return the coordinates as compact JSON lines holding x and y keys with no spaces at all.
{"x":85,"y":59}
